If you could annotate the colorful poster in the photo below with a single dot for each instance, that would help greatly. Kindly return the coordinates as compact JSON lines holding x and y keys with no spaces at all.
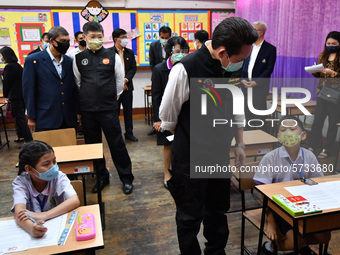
{"x":218,"y":16}
{"x":151,"y":34}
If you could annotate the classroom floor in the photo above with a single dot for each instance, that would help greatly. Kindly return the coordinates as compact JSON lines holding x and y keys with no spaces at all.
{"x":142,"y":223}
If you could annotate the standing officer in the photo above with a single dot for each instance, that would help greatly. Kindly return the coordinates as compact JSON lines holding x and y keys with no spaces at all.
{"x":100,"y":77}
{"x":127,"y":57}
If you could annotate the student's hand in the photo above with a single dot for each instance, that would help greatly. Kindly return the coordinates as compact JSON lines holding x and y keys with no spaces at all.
{"x":157,"y":125}
{"x":31,"y":124}
{"x":240,"y":157}
{"x":38,"y":231}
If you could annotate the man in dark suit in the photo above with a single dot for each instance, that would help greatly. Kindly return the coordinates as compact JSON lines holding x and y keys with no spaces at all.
{"x":157,"y":53}
{"x":257,"y":69}
{"x":127,"y":57}
{"x":49,"y":89}
{"x":44,"y":43}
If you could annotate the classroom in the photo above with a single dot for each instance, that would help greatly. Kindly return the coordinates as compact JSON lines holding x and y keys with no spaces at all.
{"x":169,"y":127}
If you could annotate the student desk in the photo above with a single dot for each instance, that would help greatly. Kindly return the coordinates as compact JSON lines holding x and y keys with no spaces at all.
{"x":303,"y":225}
{"x":148,"y":112}
{"x":257,"y":143}
{"x":72,"y":244}
{"x":73,"y":156}
{"x":5,"y":129}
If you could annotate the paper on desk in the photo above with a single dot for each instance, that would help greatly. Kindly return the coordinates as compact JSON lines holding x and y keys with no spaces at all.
{"x":314,"y":68}
{"x":17,"y":239}
{"x":323,"y":195}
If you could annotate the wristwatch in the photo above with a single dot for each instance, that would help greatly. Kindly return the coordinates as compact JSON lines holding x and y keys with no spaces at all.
{"x":240,"y":145}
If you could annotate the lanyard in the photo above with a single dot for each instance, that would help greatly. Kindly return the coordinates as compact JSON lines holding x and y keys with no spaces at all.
{"x":303,"y":163}
{"x":42,"y":203}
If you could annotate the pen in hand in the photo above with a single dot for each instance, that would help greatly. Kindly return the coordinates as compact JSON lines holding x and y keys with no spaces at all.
{"x":32,"y":219}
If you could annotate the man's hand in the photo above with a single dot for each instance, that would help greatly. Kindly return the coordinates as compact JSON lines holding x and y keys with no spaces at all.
{"x":157,"y":125}
{"x":249,"y":84}
{"x":240,"y":157}
{"x":79,"y":119}
{"x":31,"y":124}
{"x":125,"y":88}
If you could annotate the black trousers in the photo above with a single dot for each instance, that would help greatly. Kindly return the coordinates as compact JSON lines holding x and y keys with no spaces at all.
{"x":21,"y":126}
{"x":259,"y":103}
{"x":126,"y":100}
{"x":108,"y":121}
{"x":324,"y":109}
{"x":199,"y":200}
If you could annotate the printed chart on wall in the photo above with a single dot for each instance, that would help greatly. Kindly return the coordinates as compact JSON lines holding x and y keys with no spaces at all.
{"x":182,"y":23}
{"x":218,"y":16}
{"x":21,"y":29}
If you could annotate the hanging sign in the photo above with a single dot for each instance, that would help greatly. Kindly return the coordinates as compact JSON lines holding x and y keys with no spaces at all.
{"x":94,"y":11}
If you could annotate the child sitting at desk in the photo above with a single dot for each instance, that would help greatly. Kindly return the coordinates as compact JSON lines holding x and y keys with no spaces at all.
{"x":290,"y":135}
{"x":40,"y":189}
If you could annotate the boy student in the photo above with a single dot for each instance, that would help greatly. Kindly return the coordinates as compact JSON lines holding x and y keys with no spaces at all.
{"x":290,"y":135}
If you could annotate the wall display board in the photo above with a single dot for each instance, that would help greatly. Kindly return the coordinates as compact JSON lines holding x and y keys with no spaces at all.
{"x":218,"y":16}
{"x":182,"y":23}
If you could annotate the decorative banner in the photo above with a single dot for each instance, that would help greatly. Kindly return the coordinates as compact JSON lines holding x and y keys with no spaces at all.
{"x":94,"y":11}
{"x":134,"y":33}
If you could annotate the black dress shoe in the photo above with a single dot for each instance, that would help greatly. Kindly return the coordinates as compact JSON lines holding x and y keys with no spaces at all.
{"x":103,"y":183}
{"x":153,"y":131}
{"x":131,"y":138}
{"x":127,"y":188}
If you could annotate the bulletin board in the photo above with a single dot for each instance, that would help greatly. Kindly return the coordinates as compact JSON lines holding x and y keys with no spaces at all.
{"x":218,"y":16}
{"x":22,"y":29}
{"x":182,"y":23}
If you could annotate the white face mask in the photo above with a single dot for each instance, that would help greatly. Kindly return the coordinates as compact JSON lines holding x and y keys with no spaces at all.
{"x":124,"y":42}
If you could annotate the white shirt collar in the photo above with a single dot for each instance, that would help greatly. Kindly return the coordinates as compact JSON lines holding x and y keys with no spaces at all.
{"x":254,"y":45}
{"x":284,"y":154}
{"x":52,"y":57}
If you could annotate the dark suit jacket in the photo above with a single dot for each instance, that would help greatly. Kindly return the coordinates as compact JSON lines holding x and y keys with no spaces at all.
{"x":263,"y":68}
{"x":130,"y":65}
{"x":160,"y":76}
{"x":35,"y":51}
{"x":49,"y":99}
{"x":155,"y":54}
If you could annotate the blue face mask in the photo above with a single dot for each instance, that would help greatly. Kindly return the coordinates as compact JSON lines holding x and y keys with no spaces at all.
{"x":177,"y":57}
{"x":232,"y":67}
{"x":332,"y":49}
{"x":45,"y":45}
{"x":49,"y":175}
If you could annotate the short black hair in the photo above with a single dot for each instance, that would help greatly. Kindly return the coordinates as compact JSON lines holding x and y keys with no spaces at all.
{"x":202,"y":36}
{"x":56,"y":31}
{"x":165,"y":30}
{"x":43,"y":35}
{"x":31,"y":152}
{"x":290,"y":117}
{"x":8,"y":55}
{"x":232,"y":33}
{"x":174,"y":41}
{"x":92,"y":26}
{"x":118,"y":32}
{"x":78,"y":33}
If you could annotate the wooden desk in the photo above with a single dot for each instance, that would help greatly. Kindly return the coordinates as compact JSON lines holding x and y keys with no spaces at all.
{"x":5,"y":129}
{"x":292,"y":109}
{"x":302,"y":225}
{"x":70,"y":157}
{"x":148,"y":111}
{"x":257,"y":143}
{"x":71,"y":243}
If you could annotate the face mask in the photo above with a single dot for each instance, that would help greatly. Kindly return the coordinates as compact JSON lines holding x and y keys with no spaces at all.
{"x":332,"y":49}
{"x":177,"y":57}
{"x":124,"y":42}
{"x":232,"y":67}
{"x":289,"y":139}
{"x":82,"y":43}
{"x":95,"y":44}
{"x":49,"y":175}
{"x":45,"y":45}
{"x":62,"y":47}
{"x":163,"y":41}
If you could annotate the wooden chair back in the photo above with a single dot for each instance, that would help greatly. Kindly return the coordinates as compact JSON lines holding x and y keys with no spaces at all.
{"x":59,"y":137}
{"x":246,"y":178}
{"x":78,"y":187}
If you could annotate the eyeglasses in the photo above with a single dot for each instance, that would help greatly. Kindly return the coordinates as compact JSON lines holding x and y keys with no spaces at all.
{"x":182,"y":50}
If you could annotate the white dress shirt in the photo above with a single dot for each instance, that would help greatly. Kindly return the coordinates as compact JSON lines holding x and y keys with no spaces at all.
{"x":74,"y":52}
{"x":58,"y":65}
{"x":255,"y":51}
{"x":119,"y":75}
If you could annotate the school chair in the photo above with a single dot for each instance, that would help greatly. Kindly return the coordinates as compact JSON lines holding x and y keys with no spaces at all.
{"x":253,"y":215}
{"x":58,"y":137}
{"x":78,"y":187}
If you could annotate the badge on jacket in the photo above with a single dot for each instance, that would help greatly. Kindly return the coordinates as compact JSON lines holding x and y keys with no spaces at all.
{"x":264,"y":61}
{"x":85,"y":61}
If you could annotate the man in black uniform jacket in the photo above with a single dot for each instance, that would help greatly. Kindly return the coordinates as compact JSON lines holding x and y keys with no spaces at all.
{"x":127,"y":57}
{"x":99,"y":75}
